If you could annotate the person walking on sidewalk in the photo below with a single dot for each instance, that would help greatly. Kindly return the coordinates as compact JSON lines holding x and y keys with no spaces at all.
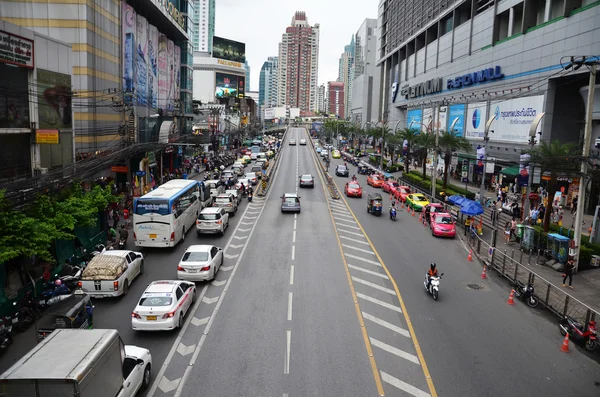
{"x":507,"y":233}
{"x":513,"y":228}
{"x":568,"y":272}
{"x":574,"y":205}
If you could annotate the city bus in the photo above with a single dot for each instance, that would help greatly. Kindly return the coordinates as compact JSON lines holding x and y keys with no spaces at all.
{"x":163,"y":216}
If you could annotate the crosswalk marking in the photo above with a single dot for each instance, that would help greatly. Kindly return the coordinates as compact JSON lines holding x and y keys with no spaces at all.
{"x":360,"y":269}
{"x":358,"y":249}
{"x":378,"y":302}
{"x":347,"y":231}
{"x":393,"y":350}
{"x":387,"y":325}
{"x":373,"y":285}
{"x":360,"y":258}
{"x":403,"y":385}
{"x":353,"y":239}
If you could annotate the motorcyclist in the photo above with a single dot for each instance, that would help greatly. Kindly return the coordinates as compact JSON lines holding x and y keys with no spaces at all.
{"x":243,"y":189}
{"x":353,"y":178}
{"x":123,"y":233}
{"x":432,"y":272}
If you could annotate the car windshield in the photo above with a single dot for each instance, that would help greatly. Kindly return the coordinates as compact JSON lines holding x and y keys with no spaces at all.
{"x":446,"y":220}
{"x":419,"y":197}
{"x":353,"y":185}
{"x":156,"y":301}
{"x":405,"y":191}
{"x":342,"y":167}
{"x":306,"y":177}
{"x":208,"y":217}
{"x":222,"y":200}
{"x":250,"y":176}
{"x":195,"y":256}
{"x":394,"y":184}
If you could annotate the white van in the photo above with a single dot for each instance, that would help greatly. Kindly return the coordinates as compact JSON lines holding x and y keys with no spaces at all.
{"x":261,"y":156}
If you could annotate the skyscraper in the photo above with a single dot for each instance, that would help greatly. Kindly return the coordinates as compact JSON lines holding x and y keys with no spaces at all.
{"x":364,"y":99}
{"x":204,"y":25}
{"x":346,"y":72}
{"x":267,"y":90}
{"x":299,"y":64}
{"x":321,"y":98}
{"x":335,"y":94}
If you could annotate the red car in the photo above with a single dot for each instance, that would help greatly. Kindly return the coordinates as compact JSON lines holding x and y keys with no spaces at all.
{"x":375,"y":180}
{"x":442,"y":225}
{"x":401,"y":192}
{"x":390,"y":186}
{"x":353,"y":189}
{"x":433,"y":208}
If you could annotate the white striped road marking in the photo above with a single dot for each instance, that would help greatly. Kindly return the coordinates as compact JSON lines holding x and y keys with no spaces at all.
{"x":358,"y":249}
{"x":249,"y":217}
{"x":243,"y":230}
{"x":378,"y":302}
{"x":231,"y":256}
{"x":295,"y":216}
{"x":293,"y":252}
{"x":340,"y":208}
{"x":226,"y":268}
{"x":373,"y":285}
{"x":210,"y":301}
{"x":294,"y":237}
{"x":345,"y":225}
{"x":362,"y":259}
{"x":360,"y":269}
{"x":185,"y":350}
{"x":346,"y":238}
{"x":292,"y":275}
{"x":403,"y":385}
{"x":252,"y":212}
{"x":347,"y":231}
{"x":218,"y":283}
{"x":289,"y":314}
{"x":247,"y":223}
{"x":240,"y":238}
{"x":336,"y":204}
{"x":295,"y":224}
{"x":286,"y":367}
{"x":394,"y":350}
{"x":387,"y":325}
{"x":342,"y":215}
{"x":236,"y":246}
{"x":167,"y":385}
{"x":199,"y":321}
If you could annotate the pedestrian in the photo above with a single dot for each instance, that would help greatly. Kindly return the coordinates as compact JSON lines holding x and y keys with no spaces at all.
{"x":574,"y":205}
{"x":513,"y":228}
{"x":568,"y":272}
{"x":507,"y":232}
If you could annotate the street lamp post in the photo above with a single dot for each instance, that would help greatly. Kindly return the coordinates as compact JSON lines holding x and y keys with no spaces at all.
{"x":486,"y":139}
{"x":433,"y":177}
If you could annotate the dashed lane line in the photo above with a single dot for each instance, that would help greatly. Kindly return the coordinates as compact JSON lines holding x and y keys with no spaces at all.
{"x":371,"y":272}
{"x":395,"y":351}
{"x":293,"y":252}
{"x":349,"y":232}
{"x":389,"y":379}
{"x":358,"y":249}
{"x":288,"y":345}
{"x":373,"y":285}
{"x":289,"y":312}
{"x":353,"y":239}
{"x":378,"y":302}
{"x":292,"y":275}
{"x":360,"y":258}
{"x":385,"y":324}
{"x":346,"y":225}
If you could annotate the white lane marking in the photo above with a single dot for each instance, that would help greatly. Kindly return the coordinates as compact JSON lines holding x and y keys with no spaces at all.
{"x":293,"y":252}
{"x":373,"y":285}
{"x":345,"y":225}
{"x":403,"y":385}
{"x":295,"y":216}
{"x":288,"y":345}
{"x":252,"y":212}
{"x":362,"y":259}
{"x":185,"y":350}
{"x":218,"y":283}
{"x":294,"y":237}
{"x":247,"y":223}
{"x":387,"y":325}
{"x":231,"y":256}
{"x":358,"y":249}
{"x":360,"y":269}
{"x":199,"y":321}
{"x":249,"y":217}
{"x":289,"y":313}
{"x":160,"y":380}
{"x":335,"y":203}
{"x":226,"y":268}
{"x":244,"y":230}
{"x":353,"y":239}
{"x":347,"y":231}
{"x":292,"y":275}
{"x":378,"y":302}
{"x":240,"y":237}
{"x":236,"y":246}
{"x":295,"y":224}
{"x":342,"y":216}
{"x":210,"y":301}
{"x":167,"y":385}
{"x":394,"y":350}
{"x":284,"y":395}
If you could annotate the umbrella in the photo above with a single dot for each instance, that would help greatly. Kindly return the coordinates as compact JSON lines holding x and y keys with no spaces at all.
{"x":471,"y":208}
{"x":456,"y":199}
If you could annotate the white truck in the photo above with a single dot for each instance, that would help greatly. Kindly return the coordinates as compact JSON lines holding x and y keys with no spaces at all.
{"x":79,"y":363}
{"x":109,"y":274}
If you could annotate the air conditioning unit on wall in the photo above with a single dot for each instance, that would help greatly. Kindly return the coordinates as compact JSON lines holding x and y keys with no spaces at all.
{"x":40,"y":171}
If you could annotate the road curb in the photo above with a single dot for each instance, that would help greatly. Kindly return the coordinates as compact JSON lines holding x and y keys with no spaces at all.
{"x":333,"y":191}
{"x":271,"y":169}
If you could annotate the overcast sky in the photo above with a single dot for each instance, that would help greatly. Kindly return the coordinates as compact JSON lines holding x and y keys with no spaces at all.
{"x":260,"y":24}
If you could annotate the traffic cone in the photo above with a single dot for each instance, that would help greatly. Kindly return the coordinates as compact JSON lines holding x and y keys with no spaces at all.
{"x":402,"y":203}
{"x":565,"y":345}
{"x":470,"y":257}
{"x":413,"y":213}
{"x":484,"y":272}
{"x":511,"y":298}
{"x":420,"y":217}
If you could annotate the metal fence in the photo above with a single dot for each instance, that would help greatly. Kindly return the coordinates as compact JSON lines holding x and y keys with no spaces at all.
{"x":553,"y":298}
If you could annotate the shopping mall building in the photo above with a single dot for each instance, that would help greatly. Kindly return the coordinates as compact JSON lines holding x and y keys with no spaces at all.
{"x":478,"y":59}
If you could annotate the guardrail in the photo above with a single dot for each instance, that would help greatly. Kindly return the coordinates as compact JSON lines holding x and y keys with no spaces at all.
{"x":333,"y":191}
{"x":553,"y":298}
{"x":265,"y":182}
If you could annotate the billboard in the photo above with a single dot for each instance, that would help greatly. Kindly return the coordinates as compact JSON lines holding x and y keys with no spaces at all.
{"x":170,"y":75}
{"x":163,"y":78}
{"x":414,"y":117}
{"x":513,"y":118}
{"x":16,"y":50}
{"x":229,"y":85}
{"x":476,"y":118}
{"x":229,"y":49}
{"x":177,"y":73}
{"x":152,"y":66}
{"x":427,"y":123}
{"x":54,"y":100}
{"x":440,"y":123}
{"x":141,"y":60}
{"x":129,"y":30}
{"x":457,"y":112}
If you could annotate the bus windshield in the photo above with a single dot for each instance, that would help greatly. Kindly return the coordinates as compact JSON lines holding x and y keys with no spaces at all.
{"x":152,"y":206}
{"x":255,"y":149}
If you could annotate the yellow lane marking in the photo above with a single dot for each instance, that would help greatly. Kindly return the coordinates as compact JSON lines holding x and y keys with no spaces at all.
{"x":402,"y":305}
{"x":363,"y":329}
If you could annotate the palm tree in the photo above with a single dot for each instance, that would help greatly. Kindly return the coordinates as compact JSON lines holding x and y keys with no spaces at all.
{"x":554,"y":158}
{"x":410,"y":136}
{"x":448,"y":143}
{"x":425,"y":142}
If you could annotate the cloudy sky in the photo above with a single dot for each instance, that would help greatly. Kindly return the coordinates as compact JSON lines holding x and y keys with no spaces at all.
{"x":260,"y":23}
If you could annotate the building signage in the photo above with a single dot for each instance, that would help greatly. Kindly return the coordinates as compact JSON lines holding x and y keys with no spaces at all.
{"x":395,"y":87}
{"x":119,"y":169}
{"x":469,"y":79}
{"x":171,"y":10}
{"x":229,"y":63}
{"x":47,"y":137}
{"x":16,"y":50}
{"x":426,"y":88}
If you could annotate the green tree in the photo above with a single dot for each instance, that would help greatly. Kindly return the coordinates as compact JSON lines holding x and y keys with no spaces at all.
{"x":425,"y":142}
{"x":449,"y":142}
{"x":409,"y":135}
{"x":554,"y":158}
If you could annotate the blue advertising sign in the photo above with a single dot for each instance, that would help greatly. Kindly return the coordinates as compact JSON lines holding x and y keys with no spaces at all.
{"x":478,"y":77}
{"x":457,"y":112}
{"x":414,"y":117}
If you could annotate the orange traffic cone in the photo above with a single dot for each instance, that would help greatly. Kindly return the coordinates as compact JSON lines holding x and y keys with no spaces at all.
{"x":402,"y":203}
{"x":420,"y":217}
{"x":565,"y":345}
{"x":484,"y":272}
{"x":413,"y":213}
{"x":511,"y":298}
{"x":470,"y":257}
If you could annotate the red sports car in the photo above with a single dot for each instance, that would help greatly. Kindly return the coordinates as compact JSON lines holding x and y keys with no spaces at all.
{"x":390,"y":186}
{"x":353,"y":189}
{"x":442,"y":225}
{"x":401,"y":192}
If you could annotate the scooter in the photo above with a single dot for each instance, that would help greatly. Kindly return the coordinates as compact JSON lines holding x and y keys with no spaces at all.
{"x":6,"y":339}
{"x":526,"y":293}
{"x":434,"y":286}
{"x":393,"y":213}
{"x":578,"y":334}
{"x":122,"y":243}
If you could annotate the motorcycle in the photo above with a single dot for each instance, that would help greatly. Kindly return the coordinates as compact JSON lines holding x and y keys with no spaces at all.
{"x":434,"y":286}
{"x":122,"y":243}
{"x":578,"y":334}
{"x":6,"y":339}
{"x":393,"y":213}
{"x":526,"y":293}
{"x":26,"y":313}
{"x":206,"y":175}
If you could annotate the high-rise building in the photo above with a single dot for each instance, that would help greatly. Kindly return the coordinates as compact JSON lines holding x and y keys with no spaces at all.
{"x":247,"y":67}
{"x":321,"y":98}
{"x":299,"y":64}
{"x":364,"y":99}
{"x":203,"y":25}
{"x":335,"y":94}
{"x":267,"y":90}
{"x":346,"y":72}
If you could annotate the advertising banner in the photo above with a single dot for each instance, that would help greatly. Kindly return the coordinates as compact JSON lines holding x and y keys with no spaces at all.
{"x":177,"y":73}
{"x":476,"y":118}
{"x":163,"y":90}
{"x":170,"y":69}
{"x":229,"y":49}
{"x":427,"y":120}
{"x":152,"y":66}
{"x":414,"y":117}
{"x":129,"y":28}
{"x":241,"y":87}
{"x":226,"y":85}
{"x":441,"y":123}
{"x":141,"y":64}
{"x":457,"y":112}
{"x":16,"y":50}
{"x":54,"y":100}
{"x":513,"y":118}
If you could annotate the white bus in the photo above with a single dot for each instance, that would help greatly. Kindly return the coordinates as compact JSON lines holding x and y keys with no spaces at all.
{"x":163,"y":216}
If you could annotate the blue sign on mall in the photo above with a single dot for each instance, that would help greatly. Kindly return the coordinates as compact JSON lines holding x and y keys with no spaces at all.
{"x":469,"y":79}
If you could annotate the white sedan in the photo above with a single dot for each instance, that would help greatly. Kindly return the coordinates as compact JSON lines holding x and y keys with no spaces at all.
{"x":163,"y":305}
{"x":239,"y":183}
{"x":251,"y":176}
{"x":200,"y":263}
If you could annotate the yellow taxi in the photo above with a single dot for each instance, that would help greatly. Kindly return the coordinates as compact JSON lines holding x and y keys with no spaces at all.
{"x":336,"y":154}
{"x":416,"y":201}
{"x":246,"y":159}
{"x":270,"y":154}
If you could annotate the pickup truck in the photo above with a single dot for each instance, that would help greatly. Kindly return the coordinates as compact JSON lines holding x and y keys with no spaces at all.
{"x":82,"y":363}
{"x":109,"y":274}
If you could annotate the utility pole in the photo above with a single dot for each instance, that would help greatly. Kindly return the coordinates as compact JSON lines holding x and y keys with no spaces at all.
{"x":532,"y":143}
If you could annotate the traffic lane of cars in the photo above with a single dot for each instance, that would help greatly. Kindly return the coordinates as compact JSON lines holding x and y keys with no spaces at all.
{"x":474,"y":332}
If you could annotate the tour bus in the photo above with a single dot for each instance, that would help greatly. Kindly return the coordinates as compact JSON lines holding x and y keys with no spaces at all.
{"x":255,"y":149}
{"x":163,"y":216}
